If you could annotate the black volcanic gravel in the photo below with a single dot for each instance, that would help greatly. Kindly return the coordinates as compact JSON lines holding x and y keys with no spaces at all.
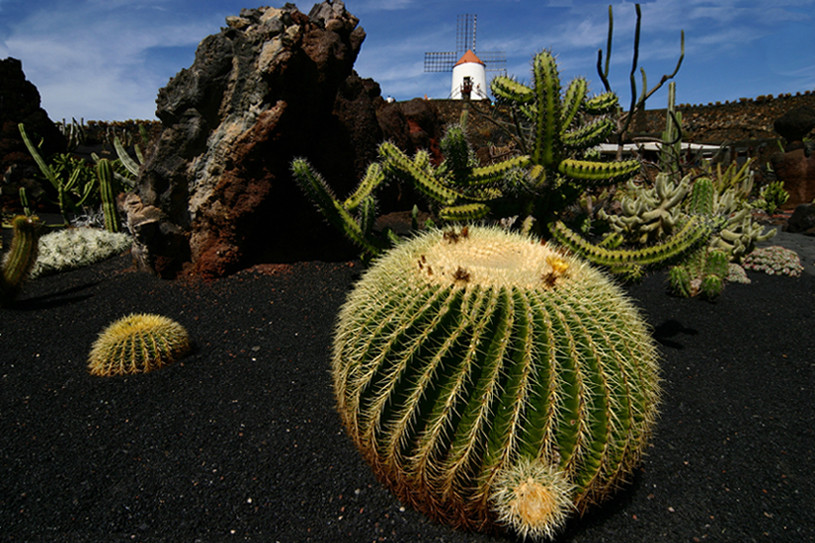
{"x":240,"y":440}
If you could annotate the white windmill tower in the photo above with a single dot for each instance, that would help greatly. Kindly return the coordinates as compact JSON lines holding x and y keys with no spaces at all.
{"x":469,"y":67}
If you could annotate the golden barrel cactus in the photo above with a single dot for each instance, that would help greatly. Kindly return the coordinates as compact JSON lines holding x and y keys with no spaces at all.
{"x":492,"y":381}
{"x":138,"y":343}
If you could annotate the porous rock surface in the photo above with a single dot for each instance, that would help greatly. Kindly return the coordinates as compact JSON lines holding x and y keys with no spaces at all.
{"x":216,"y":194}
{"x":20,"y":103}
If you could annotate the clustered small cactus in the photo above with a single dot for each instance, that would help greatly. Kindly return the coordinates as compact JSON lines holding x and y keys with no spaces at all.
{"x":72,"y":248}
{"x":492,"y":381}
{"x":774,"y":260}
{"x":138,"y":343}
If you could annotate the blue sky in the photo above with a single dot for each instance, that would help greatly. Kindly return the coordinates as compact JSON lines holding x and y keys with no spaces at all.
{"x":106,"y":59}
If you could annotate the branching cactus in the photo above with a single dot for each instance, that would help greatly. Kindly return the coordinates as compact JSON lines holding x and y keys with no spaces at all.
{"x":354,"y":216}
{"x":562,"y":126}
{"x":20,"y":259}
{"x":493,"y":382}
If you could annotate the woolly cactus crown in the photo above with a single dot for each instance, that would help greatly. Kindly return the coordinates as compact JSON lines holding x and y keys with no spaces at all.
{"x":492,"y":381}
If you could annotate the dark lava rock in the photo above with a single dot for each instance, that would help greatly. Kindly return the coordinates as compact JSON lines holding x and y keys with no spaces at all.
{"x":273,"y":85}
{"x":20,"y":103}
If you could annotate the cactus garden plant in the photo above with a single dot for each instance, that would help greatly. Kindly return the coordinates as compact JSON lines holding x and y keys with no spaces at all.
{"x":71,"y":248}
{"x":493,"y":382}
{"x":138,"y":343}
{"x":20,"y":259}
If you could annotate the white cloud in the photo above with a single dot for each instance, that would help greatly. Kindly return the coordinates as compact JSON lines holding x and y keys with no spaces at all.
{"x":92,"y":59}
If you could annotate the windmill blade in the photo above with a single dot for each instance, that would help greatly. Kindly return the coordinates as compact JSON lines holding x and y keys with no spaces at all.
{"x":465,"y":32}
{"x":494,"y":61}
{"x":442,"y":61}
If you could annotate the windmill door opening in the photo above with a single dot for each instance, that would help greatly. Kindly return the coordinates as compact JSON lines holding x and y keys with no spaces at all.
{"x":466,"y":87}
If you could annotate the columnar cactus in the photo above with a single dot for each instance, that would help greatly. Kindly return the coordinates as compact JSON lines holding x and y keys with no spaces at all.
{"x":493,"y":382}
{"x":19,"y":260}
{"x":138,"y":343}
{"x":104,"y":173}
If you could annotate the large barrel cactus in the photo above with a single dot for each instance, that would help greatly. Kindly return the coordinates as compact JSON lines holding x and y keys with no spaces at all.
{"x":493,"y":382}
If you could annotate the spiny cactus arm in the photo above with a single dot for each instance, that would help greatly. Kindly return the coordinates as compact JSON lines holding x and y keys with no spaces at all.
{"x":104,"y":174}
{"x":573,"y":101}
{"x":493,"y":173}
{"x":506,"y":88}
{"x":590,"y":134}
{"x":548,"y":119}
{"x":24,"y":203}
{"x":464,"y":212}
{"x":315,"y":187}
{"x":607,"y":172}
{"x":606,"y":102}
{"x":694,"y":233}
{"x":427,"y":184}
{"x":373,"y":179}
{"x":367,"y":215}
{"x":21,"y":257}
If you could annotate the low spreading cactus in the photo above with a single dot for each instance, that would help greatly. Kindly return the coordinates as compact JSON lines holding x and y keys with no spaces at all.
{"x":138,"y":343}
{"x":774,"y":260}
{"x":493,"y":382}
{"x":72,"y":248}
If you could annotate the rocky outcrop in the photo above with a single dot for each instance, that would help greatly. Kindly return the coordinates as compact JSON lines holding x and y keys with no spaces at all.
{"x":272,"y":85}
{"x":802,"y":220}
{"x":20,"y":103}
{"x":795,"y":124}
{"x":797,"y":171}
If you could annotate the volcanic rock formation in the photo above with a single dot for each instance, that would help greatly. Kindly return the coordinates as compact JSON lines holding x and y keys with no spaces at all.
{"x":20,"y":103}
{"x":272,"y":85}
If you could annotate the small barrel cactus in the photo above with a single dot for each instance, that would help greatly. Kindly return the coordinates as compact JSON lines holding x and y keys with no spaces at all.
{"x":138,"y":343}
{"x":492,"y":381}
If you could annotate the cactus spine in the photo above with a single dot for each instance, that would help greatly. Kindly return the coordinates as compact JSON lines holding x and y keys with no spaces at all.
{"x":138,"y":343}
{"x":20,"y":258}
{"x":491,"y":381}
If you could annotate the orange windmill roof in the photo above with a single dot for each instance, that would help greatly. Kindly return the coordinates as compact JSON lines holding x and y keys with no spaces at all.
{"x":469,"y":56}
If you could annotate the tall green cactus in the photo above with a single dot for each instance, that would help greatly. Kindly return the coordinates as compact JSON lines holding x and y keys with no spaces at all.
{"x":491,"y":381}
{"x":560,"y":132}
{"x":20,"y":258}
{"x":104,"y":174}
